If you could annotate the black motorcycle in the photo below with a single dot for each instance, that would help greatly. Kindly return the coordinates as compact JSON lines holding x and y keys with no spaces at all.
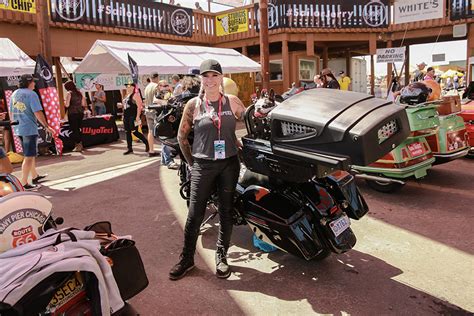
{"x":294,"y":189}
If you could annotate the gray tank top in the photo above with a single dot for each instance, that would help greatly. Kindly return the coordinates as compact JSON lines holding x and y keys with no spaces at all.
{"x":206,"y":131}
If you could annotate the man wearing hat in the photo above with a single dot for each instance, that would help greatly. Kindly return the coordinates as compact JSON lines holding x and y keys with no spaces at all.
{"x":419,"y":74}
{"x":25,"y":107}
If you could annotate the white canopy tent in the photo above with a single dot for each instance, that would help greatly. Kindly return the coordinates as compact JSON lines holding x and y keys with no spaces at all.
{"x":110,"y":57}
{"x":13,"y":61}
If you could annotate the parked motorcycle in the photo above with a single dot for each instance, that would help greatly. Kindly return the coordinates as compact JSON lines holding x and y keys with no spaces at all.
{"x":295,"y":191}
{"x":50,"y":271}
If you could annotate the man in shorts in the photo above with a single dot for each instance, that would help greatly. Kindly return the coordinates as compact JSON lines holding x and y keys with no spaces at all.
{"x":150,"y":91}
{"x":25,"y":107}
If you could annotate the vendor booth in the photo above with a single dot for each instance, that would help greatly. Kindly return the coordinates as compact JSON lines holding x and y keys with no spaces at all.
{"x":110,"y":57}
{"x":13,"y":63}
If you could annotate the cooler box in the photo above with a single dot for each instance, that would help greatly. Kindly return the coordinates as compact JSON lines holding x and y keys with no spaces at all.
{"x":423,"y":116}
{"x":323,"y":124}
{"x":449,"y":105}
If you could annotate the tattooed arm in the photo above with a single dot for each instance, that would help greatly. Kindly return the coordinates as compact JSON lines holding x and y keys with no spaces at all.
{"x":185,"y":127}
{"x":237,"y":107}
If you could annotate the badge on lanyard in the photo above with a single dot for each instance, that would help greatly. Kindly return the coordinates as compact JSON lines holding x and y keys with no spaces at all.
{"x":219,"y":145}
{"x":219,"y":149}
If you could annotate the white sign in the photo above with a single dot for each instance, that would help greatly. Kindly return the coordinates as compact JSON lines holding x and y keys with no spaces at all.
{"x":406,"y":11}
{"x":391,"y":55}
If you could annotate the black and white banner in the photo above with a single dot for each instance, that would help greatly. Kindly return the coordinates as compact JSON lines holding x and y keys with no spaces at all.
{"x":327,"y":13}
{"x":462,"y":9}
{"x":134,"y":14}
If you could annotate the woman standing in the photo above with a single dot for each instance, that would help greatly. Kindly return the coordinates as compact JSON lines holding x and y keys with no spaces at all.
{"x":75,"y":105}
{"x":99,"y":100}
{"x":214,"y":162}
{"x":132,"y":109}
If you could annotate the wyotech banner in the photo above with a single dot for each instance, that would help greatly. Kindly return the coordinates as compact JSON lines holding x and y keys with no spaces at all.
{"x":462,"y":9}
{"x":327,"y":14}
{"x":133,"y":14}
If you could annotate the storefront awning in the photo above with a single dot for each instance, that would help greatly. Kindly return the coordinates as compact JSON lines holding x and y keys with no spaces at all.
{"x":13,"y":61}
{"x":111,"y":57}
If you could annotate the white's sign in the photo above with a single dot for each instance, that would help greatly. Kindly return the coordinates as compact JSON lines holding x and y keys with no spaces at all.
{"x":391,"y":55}
{"x":406,"y":11}
{"x":86,"y":81}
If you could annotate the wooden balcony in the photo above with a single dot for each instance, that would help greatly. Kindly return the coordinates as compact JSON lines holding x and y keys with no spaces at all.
{"x":204,"y":29}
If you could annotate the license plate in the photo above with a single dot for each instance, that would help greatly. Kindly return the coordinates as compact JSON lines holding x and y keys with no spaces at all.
{"x":63,"y":294}
{"x":416,"y":149}
{"x":340,"y":225}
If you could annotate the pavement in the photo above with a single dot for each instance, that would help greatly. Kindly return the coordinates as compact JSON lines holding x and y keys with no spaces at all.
{"x":414,"y":254}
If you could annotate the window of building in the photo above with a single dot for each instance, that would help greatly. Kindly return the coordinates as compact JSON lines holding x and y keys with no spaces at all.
{"x":276,"y":71}
{"x":307,"y":69}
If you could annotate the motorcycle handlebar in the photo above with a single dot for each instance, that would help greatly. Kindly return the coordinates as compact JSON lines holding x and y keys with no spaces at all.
{"x":8,"y":123}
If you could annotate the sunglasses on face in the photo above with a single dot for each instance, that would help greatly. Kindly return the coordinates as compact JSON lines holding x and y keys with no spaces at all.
{"x":165,"y":86}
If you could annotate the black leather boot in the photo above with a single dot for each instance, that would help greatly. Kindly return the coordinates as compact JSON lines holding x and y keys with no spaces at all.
{"x":185,"y":264}
{"x":222,"y":268}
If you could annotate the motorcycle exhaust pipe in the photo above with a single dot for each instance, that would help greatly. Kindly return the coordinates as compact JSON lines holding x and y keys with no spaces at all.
{"x":378,"y":178}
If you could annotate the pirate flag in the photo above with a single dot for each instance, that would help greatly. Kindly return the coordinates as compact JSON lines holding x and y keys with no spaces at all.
{"x":49,"y":96}
{"x":133,"y":71}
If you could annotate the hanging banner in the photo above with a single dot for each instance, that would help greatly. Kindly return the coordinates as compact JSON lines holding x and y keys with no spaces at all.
{"x":391,"y":55}
{"x":462,"y":9}
{"x":133,"y":14}
{"x":405,"y":11}
{"x":49,"y":96}
{"x":327,"y":14}
{"x":232,"y":23}
{"x":28,"y":6}
{"x":86,"y":81}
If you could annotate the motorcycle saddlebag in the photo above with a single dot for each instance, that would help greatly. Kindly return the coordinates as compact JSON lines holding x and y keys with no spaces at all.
{"x":276,"y":219}
{"x":337,"y":123}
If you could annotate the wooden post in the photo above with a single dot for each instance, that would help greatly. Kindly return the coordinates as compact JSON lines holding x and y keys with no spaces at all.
{"x":310,"y":45}
{"x":286,"y":64}
{"x":59,"y":85}
{"x":389,"y":69}
{"x":407,"y":65}
{"x":245,"y":51}
{"x":372,"y":75}
{"x":372,"y":52}
{"x":42,"y":27}
{"x":470,"y":53}
{"x":325,"y":57}
{"x":264,"y":45}
{"x":348,"y":63}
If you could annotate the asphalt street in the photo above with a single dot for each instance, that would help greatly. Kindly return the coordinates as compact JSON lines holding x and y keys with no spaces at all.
{"x":414,"y":254}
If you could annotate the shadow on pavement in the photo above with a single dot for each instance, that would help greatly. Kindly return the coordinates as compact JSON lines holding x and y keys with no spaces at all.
{"x":437,"y":207}
{"x":354,"y":282}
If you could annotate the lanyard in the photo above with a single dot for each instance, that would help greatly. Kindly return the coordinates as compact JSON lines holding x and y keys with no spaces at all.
{"x":219,"y":123}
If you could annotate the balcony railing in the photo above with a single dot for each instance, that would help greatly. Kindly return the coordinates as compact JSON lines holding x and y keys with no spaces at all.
{"x":204,"y":27}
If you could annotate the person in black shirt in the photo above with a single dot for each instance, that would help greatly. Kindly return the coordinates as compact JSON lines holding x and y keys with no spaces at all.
{"x":329,"y":80}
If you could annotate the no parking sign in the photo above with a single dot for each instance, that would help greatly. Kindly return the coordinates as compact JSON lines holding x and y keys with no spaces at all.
{"x":391,"y":55}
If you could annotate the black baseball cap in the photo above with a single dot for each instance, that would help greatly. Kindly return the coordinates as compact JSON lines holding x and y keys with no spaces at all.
{"x":26,"y":79}
{"x":210,"y":65}
{"x":155,"y":75}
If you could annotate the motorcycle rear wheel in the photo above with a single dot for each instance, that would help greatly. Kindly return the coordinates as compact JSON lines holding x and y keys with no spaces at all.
{"x":384,"y":187}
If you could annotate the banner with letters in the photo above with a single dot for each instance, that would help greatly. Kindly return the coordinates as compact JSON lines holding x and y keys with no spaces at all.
{"x":405,"y":11}
{"x":133,"y":14}
{"x":327,"y":14}
{"x":462,"y":9}
{"x":86,"y":81}
{"x":28,"y":6}
{"x":231,"y":23}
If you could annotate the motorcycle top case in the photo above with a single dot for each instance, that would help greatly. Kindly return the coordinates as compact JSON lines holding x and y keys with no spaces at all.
{"x":337,"y":123}
{"x":423,"y":116}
